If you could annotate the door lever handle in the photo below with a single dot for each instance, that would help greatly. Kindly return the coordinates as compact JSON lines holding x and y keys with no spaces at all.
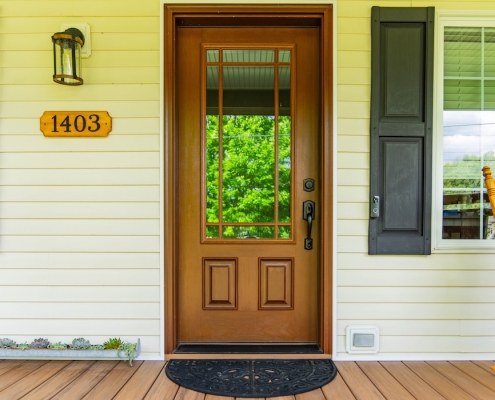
{"x":309,"y":215}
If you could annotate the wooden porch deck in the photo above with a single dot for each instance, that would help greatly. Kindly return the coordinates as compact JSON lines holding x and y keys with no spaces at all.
{"x":72,"y":380}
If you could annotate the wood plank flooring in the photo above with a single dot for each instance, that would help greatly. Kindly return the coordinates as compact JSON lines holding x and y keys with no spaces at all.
{"x":89,"y":380}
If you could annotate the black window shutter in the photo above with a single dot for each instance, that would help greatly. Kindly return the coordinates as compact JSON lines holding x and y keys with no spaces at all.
{"x":401,"y":129}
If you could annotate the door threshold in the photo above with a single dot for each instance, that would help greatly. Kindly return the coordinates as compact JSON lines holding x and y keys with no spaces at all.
{"x":258,"y":348}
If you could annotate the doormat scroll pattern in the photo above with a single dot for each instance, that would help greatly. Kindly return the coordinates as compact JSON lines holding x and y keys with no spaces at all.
{"x":251,"y":378}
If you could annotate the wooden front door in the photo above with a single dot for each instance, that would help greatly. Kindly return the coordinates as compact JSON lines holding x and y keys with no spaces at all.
{"x":248,"y":103}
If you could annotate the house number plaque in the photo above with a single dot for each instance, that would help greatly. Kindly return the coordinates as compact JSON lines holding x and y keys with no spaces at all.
{"x":76,"y":123}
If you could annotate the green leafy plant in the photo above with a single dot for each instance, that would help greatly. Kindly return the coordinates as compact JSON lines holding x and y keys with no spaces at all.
{"x":7,"y":343}
{"x":22,"y":346}
{"x":129,"y":350}
{"x":58,"y":346}
{"x":39,"y":343}
{"x":112,"y":343}
{"x":97,"y":347}
{"x":80,"y":344}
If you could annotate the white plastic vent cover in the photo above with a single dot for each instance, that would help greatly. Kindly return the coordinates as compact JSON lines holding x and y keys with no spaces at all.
{"x":362,"y":339}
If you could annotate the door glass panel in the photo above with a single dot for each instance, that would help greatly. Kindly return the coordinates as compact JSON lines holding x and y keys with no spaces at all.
{"x":284,"y":232}
{"x":251,"y":56}
{"x":248,"y":165}
{"x":212,"y":144}
{"x":248,"y":232}
{"x":212,"y":55}
{"x":212,"y":232}
{"x":284,"y":56}
{"x":284,"y":146}
{"x":248,"y":140}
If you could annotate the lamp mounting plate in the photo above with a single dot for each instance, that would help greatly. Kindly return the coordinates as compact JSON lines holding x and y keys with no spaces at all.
{"x":86,"y":31}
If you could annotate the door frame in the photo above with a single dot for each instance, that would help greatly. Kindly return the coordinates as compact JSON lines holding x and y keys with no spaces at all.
{"x":175,"y":16}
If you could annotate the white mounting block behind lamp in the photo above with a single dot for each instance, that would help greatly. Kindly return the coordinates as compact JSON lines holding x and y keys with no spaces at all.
{"x":362,"y":339}
{"x":86,"y":31}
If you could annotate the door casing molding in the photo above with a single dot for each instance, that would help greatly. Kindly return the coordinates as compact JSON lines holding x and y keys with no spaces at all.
{"x":175,"y":16}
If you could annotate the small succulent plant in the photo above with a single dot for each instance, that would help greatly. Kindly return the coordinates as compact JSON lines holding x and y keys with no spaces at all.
{"x":22,"y":346}
{"x":39,"y":343}
{"x":129,"y":349}
{"x":57,"y":346}
{"x":97,"y":347}
{"x":7,"y":343}
{"x":80,"y":344}
{"x":112,"y":343}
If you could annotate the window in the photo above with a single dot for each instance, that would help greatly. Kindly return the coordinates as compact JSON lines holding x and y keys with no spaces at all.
{"x":248,"y":144}
{"x":466,"y":119}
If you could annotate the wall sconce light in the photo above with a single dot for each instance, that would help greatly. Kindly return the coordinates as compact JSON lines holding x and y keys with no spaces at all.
{"x":67,"y":57}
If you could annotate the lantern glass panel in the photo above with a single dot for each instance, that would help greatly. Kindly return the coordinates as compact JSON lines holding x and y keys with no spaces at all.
{"x":67,"y":53}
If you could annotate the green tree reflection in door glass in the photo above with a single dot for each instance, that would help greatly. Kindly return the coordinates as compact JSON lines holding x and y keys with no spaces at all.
{"x":248,"y":169}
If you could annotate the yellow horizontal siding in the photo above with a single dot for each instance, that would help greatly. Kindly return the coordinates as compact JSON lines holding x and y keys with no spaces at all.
{"x":357,"y":75}
{"x":114,"y":193}
{"x":68,"y":187}
{"x":416,"y":294}
{"x":49,"y":24}
{"x":74,"y":177}
{"x":77,"y":328}
{"x":453,"y":262}
{"x":349,"y":227}
{"x":352,"y":93}
{"x":12,"y":143}
{"x":478,"y":344}
{"x":349,"y":109}
{"x":353,"y":160}
{"x":456,"y":5}
{"x":349,"y":144}
{"x":479,"y":328}
{"x":352,"y":211}
{"x":75,"y":210}
{"x":124,"y":108}
{"x":353,"y":177}
{"x":405,"y":327}
{"x":105,"y":311}
{"x":362,"y":8}
{"x":353,"y":25}
{"x":83,"y":262}
{"x":355,"y":244}
{"x":354,"y":42}
{"x":136,"y":276}
{"x":353,"y":127}
{"x":130,"y":92}
{"x":77,"y":228}
{"x":79,"y":160}
{"x":77,"y":294}
{"x":359,"y":194}
{"x":80,"y":8}
{"x":78,"y":243}
{"x":422,"y":311}
{"x":404,"y":277}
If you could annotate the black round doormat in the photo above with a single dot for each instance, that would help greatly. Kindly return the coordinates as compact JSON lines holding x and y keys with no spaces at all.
{"x":251,"y":378}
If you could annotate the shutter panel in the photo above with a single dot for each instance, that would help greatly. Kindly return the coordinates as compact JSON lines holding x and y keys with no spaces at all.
{"x":401,"y":129}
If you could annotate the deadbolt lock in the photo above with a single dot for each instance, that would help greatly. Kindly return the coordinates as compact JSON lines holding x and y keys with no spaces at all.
{"x":308,"y":185}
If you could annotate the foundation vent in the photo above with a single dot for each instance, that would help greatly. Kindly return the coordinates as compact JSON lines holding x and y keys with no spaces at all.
{"x":362,"y":339}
